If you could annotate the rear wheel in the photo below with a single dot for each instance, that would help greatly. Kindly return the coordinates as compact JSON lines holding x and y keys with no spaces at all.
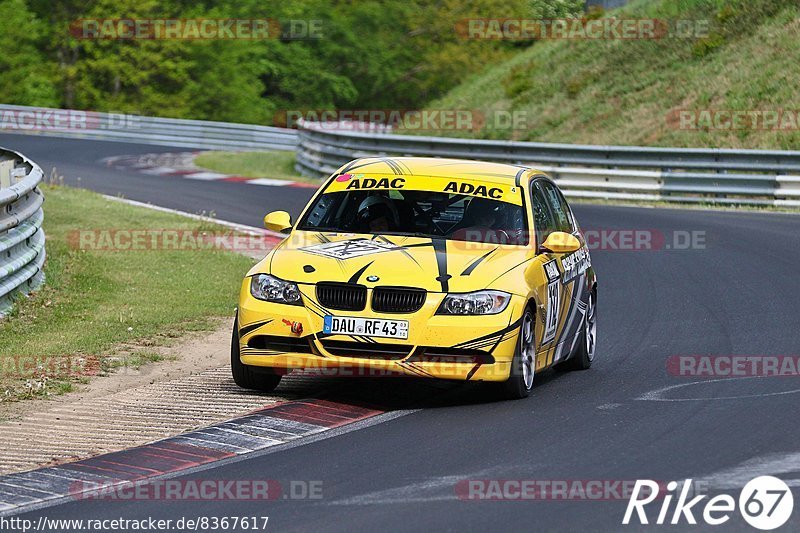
{"x":585,"y":350}
{"x":523,"y":366}
{"x":248,"y":376}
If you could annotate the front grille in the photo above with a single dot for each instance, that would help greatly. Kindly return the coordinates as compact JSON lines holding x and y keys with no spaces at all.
{"x":397,"y":299}
{"x":342,"y":296}
{"x":275,"y":343}
{"x":366,"y":351}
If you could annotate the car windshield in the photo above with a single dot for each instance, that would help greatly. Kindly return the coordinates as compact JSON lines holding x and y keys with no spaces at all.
{"x":418,"y":213}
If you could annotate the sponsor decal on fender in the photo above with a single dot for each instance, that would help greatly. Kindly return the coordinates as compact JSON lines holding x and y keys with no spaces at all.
{"x":575,"y":264}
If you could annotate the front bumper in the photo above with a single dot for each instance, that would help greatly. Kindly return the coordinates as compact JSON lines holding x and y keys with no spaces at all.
{"x":476,"y":348}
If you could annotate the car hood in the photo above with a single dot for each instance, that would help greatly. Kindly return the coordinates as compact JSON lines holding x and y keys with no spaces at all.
{"x":437,"y":265}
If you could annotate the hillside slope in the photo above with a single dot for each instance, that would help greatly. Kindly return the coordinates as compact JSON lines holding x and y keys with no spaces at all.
{"x":629,"y":92}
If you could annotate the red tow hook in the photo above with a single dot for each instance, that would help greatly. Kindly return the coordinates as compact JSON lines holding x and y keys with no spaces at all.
{"x":296,"y":327}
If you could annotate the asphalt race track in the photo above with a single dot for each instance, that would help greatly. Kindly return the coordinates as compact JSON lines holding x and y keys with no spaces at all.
{"x":627,"y":418}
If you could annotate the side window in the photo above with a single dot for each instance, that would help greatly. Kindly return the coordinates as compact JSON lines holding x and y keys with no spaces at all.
{"x":561,"y":212}
{"x":542,"y":218}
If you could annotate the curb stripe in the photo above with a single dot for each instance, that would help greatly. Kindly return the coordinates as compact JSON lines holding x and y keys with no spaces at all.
{"x":271,"y":426}
{"x":130,"y":162}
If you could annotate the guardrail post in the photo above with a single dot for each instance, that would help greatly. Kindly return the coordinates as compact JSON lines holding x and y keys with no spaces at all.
{"x":5,"y":174}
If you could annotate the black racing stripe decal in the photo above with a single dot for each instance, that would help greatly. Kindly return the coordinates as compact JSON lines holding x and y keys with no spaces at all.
{"x":474,"y":369}
{"x":478,"y":261}
{"x":418,"y":245}
{"x":315,"y":308}
{"x":512,"y":268}
{"x":393,"y":165}
{"x":422,"y":371}
{"x":244,"y":330}
{"x":401,"y":249}
{"x":440,"y":247}
{"x":353,"y":166}
{"x":570,"y":311}
{"x":491,"y":342}
{"x":492,"y":336}
{"x":404,"y":166}
{"x":499,"y":339}
{"x":414,"y":370}
{"x":354,"y":278}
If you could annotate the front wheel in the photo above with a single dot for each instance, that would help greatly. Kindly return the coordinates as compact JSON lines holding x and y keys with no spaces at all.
{"x":247,"y":376}
{"x":523,"y":366}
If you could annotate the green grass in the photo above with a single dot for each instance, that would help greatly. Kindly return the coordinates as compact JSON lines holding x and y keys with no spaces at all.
{"x":275,"y":165}
{"x":96,"y":301}
{"x":620,"y":92}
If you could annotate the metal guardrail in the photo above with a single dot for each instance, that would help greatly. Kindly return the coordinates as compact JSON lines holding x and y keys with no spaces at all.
{"x":201,"y":134}
{"x":22,"y":250}
{"x":721,"y":176}
{"x":746,"y":177}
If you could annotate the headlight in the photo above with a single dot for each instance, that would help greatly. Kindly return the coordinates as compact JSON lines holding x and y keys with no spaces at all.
{"x":272,"y":289}
{"x":474,"y":303}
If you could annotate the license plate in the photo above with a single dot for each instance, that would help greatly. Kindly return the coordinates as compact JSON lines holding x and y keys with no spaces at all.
{"x":368,"y":327}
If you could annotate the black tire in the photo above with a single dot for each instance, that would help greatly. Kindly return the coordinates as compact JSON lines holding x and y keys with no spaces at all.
{"x":585,"y":350}
{"x":520,"y":382}
{"x":250,"y":377}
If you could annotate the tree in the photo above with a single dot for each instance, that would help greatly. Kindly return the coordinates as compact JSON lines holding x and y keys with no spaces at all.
{"x":27,"y":78}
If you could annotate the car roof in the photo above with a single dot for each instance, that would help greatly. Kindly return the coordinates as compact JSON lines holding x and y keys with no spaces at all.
{"x":435,"y":166}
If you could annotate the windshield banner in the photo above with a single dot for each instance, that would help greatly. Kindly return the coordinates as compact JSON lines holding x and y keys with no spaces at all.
{"x":493,"y":190}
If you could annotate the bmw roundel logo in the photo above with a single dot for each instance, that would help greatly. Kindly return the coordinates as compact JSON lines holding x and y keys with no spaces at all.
{"x":373,"y":278}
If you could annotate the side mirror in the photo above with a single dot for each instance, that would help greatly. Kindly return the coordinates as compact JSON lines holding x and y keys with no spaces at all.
{"x":279,"y":221}
{"x":559,"y":242}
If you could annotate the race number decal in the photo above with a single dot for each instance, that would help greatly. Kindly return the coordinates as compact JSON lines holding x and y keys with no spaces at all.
{"x":553,"y":301}
{"x":349,"y":249}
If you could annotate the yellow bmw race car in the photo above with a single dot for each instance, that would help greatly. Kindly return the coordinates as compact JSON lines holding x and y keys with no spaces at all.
{"x":426,"y":267}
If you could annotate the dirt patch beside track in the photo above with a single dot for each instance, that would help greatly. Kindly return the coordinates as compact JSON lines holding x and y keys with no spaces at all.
{"x":192,"y":388}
